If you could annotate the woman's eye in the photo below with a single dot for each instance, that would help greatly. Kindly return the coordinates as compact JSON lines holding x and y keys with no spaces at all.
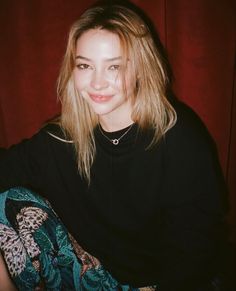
{"x":82,"y":66}
{"x":114,"y":67}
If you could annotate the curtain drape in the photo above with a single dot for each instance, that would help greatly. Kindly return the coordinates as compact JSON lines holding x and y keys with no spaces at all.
{"x":199,"y":37}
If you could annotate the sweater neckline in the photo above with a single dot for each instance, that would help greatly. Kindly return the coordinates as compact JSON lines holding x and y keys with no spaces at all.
{"x":133,"y":140}
{"x":105,"y":137}
{"x":118,"y":135}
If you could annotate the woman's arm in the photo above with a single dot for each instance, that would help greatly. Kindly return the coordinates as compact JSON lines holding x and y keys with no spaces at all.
{"x":194,"y":208}
{"x":25,"y":164}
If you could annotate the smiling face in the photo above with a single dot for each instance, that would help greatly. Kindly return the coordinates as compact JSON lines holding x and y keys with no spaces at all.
{"x":101,"y":75}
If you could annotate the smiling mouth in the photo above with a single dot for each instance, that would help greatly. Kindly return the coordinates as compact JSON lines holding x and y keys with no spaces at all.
{"x":100,"y":98}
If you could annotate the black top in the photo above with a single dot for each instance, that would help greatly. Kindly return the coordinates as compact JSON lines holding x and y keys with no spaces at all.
{"x":149,"y":215}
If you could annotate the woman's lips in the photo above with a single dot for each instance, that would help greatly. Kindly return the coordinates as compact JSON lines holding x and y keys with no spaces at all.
{"x":98,"y":98}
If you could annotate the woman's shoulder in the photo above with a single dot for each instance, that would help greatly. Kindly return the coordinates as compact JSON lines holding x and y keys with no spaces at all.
{"x":189,"y":134}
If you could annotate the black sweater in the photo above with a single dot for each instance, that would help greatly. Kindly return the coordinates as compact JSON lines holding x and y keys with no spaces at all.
{"x":151,"y":216}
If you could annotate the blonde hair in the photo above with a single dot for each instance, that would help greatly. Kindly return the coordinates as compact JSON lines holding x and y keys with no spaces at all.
{"x":151,"y":109}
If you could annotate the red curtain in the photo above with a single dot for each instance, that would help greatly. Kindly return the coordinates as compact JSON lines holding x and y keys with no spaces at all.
{"x":199,"y":37}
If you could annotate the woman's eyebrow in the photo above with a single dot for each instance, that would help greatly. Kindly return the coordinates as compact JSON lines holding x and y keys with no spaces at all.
{"x":107,"y":59}
{"x":83,"y":58}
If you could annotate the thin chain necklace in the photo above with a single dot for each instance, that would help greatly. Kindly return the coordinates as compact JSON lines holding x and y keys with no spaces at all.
{"x":115,"y":141}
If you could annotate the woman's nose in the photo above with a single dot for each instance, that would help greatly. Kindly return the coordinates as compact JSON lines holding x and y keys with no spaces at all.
{"x":99,"y":80}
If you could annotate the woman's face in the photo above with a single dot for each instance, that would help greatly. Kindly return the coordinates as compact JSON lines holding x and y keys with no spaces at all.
{"x":99,"y":75}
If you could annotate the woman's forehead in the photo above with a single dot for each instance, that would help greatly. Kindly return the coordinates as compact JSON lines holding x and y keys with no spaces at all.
{"x":101,"y":43}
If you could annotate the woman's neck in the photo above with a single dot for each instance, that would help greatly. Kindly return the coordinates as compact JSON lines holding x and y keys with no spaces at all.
{"x":115,"y":125}
{"x":117,"y":119}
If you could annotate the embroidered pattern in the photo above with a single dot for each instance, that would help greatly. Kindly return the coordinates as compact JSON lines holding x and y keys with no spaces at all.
{"x":16,"y":245}
{"x":39,"y":252}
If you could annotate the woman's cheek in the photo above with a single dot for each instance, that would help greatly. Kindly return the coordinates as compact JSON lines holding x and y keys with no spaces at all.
{"x":81,"y":80}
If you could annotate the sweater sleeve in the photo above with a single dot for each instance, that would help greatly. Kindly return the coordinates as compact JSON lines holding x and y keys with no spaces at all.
{"x":25,"y":164}
{"x":193,"y":211}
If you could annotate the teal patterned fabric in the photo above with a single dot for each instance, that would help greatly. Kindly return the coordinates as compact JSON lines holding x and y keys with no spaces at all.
{"x":39,"y":252}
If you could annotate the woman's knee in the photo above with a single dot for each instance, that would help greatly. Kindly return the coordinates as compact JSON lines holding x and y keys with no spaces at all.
{"x":5,"y":280}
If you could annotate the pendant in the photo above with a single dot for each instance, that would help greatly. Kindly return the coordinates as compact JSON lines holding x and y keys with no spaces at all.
{"x":115,"y":141}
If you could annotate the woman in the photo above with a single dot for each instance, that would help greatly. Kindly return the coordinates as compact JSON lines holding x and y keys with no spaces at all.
{"x":131,"y":174}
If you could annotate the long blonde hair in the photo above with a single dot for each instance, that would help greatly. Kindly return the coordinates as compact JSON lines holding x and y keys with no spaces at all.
{"x":150,"y":105}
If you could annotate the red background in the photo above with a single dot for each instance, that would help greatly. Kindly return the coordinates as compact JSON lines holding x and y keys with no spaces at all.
{"x":199,"y":36}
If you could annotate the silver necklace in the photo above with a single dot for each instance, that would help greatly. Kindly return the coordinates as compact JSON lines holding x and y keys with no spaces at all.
{"x":115,"y":141}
